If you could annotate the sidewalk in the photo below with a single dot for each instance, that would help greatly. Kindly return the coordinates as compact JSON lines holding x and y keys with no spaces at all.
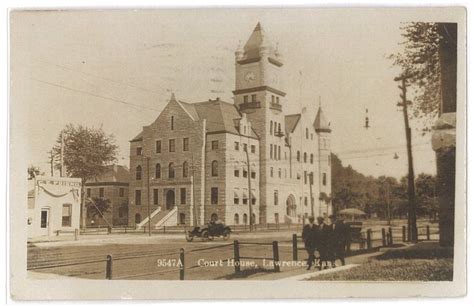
{"x":300,"y":273}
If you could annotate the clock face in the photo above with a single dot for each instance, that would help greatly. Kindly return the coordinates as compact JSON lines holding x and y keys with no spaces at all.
{"x":250,"y":76}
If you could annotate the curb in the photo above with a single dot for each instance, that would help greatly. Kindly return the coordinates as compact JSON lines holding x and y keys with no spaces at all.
{"x":313,"y":274}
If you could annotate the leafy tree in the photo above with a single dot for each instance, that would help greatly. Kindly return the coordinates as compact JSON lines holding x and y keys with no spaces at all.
{"x":97,"y":207}
{"x":420,"y":61}
{"x":87,"y":153}
{"x":34,"y":171}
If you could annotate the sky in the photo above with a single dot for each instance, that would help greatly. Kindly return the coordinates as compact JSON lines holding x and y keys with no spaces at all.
{"x":117,"y":69}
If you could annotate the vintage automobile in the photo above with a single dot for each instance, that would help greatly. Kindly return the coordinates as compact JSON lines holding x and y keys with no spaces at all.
{"x":209,"y":232}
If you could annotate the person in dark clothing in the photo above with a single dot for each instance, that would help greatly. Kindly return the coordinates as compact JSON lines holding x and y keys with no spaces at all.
{"x":321,"y":242}
{"x":337,"y":236}
{"x":309,"y":234}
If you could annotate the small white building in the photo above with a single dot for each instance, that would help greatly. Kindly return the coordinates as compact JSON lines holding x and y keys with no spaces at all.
{"x":54,"y":203}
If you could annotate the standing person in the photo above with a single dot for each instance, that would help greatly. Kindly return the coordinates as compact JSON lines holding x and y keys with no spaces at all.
{"x":309,"y":231}
{"x":321,"y":242}
{"x":337,"y":241}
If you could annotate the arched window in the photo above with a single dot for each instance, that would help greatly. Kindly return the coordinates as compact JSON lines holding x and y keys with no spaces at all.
{"x":306,"y":201}
{"x":185,"y":169}
{"x":157,"y":170}
{"x":271,"y":127}
{"x":171,"y":170}
{"x":138,"y":218}
{"x":304,"y":157}
{"x":271,"y":171}
{"x":236,"y":219}
{"x":138,"y":173}
{"x":244,"y":218}
{"x":253,"y":218}
{"x":311,"y":158}
{"x":214,"y":171}
{"x":298,"y":156}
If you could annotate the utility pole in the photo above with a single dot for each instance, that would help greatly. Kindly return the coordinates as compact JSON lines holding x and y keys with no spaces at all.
{"x":148,"y":193}
{"x":412,"y":230}
{"x":311,"y":193}
{"x":51,"y":162}
{"x":61,"y":172}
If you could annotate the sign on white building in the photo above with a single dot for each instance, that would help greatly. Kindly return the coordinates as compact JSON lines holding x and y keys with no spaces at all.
{"x":54,"y":203}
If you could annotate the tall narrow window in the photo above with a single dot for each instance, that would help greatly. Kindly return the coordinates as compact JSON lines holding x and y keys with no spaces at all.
{"x":324,"y":179}
{"x":139,"y":151}
{"x":215,"y":145}
{"x":275,"y":198}
{"x":305,"y":177}
{"x":183,"y":196}
{"x":185,"y":144}
{"x":101,"y":192}
{"x":138,"y":218}
{"x":67,"y":213}
{"x":236,"y":219}
{"x":155,"y":196}
{"x":279,"y":173}
{"x":307,"y":133}
{"x":171,"y":145}
{"x":172,"y":122}
{"x":279,"y":128}
{"x":236,"y":145}
{"x":121,"y":192}
{"x":138,"y":197}
{"x":271,"y":151}
{"x":271,"y":171}
{"x":271,"y":127}
{"x":252,"y":148}
{"x":275,"y":126}
{"x":304,"y":157}
{"x":278,"y":99}
{"x":254,"y":98}
{"x":158,"y":147}
{"x":185,"y":169}
{"x":171,"y":170}
{"x":214,"y":169}
{"x":311,"y":158}
{"x":298,"y":156}
{"x":279,"y":152}
{"x":157,"y":171}
{"x":246,"y":99}
{"x":214,"y":196}
{"x":138,"y":173}
{"x":305,"y":201}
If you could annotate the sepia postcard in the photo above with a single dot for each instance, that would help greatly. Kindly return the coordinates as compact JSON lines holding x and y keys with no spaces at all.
{"x":298,"y":152}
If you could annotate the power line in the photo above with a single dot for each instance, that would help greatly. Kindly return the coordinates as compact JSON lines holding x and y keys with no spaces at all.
{"x":93,"y":94}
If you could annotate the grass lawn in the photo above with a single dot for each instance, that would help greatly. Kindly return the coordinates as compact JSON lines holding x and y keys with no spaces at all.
{"x":422,"y":262}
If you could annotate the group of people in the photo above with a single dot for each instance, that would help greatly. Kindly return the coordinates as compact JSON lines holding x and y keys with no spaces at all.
{"x":329,"y":240}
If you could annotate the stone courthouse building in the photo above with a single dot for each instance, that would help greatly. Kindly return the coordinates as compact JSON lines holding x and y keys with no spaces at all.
{"x":192,"y":160}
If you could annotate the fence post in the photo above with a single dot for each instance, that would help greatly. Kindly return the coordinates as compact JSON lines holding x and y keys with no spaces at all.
{"x":369,"y":238}
{"x":236,"y":256}
{"x":181,"y":265}
{"x":108,"y":268}
{"x":428,"y":232}
{"x":276,"y":257}
{"x":390,"y":236}
{"x":295,"y":247}
{"x":384,"y":237}
{"x":404,"y":233}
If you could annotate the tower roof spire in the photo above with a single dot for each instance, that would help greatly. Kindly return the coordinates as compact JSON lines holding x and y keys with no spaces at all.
{"x":256,"y":41}
{"x":321,"y":124}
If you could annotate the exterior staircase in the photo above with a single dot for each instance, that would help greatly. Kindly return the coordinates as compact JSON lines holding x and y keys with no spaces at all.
{"x":161,"y":218}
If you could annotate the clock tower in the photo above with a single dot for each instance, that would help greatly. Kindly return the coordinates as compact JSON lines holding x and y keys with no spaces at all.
{"x":259,"y":94}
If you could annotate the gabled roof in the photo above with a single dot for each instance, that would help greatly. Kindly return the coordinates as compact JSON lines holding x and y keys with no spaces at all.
{"x":138,"y":138}
{"x":114,"y":173}
{"x":321,"y":124}
{"x":291,"y":121}
{"x":220,"y":116}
